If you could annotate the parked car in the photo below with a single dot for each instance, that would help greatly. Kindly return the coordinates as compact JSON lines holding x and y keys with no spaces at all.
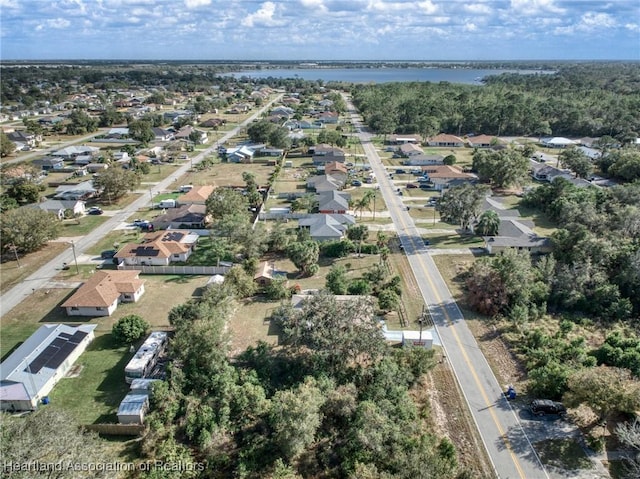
{"x":400,"y":171}
{"x":427,"y":242}
{"x":423,"y":179}
{"x":140,"y":223}
{"x":356,"y":183}
{"x":94,"y":210}
{"x":542,"y":407}
{"x":108,"y":254}
{"x":411,"y":185}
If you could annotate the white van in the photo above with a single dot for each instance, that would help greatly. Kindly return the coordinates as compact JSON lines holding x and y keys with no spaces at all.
{"x":167,"y":204}
{"x":185,"y":188}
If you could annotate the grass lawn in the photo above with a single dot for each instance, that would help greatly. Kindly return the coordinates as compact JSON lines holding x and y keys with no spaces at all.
{"x":249,"y":324}
{"x":122,"y":202}
{"x":227,"y":174}
{"x":94,"y":395}
{"x":117,"y":237}
{"x":81,"y":226}
{"x":158,"y":173}
{"x":454,"y":240}
{"x":563,"y":453}
{"x":12,"y":274}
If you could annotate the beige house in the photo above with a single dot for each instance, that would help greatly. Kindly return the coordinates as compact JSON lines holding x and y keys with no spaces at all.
{"x":196,"y":196}
{"x":159,"y":248}
{"x":101,"y":294}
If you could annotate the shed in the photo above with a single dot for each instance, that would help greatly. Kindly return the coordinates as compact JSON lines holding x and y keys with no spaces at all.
{"x":142,"y":385}
{"x":418,"y":338}
{"x":215,"y":279}
{"x":133,"y":409}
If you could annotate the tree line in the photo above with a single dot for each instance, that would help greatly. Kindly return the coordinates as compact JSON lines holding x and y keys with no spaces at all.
{"x":578,"y":100}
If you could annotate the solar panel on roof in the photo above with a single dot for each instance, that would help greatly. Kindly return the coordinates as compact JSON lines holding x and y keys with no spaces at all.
{"x":62,"y":354}
{"x":78,"y":337}
{"x":65,"y":335}
{"x":58,"y":342}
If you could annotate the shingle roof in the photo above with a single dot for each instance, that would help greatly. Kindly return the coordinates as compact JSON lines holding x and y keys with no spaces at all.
{"x":103,"y":288}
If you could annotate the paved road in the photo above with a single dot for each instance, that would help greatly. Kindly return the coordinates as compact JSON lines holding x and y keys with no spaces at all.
{"x":509,"y":448}
{"x":40,"y":278}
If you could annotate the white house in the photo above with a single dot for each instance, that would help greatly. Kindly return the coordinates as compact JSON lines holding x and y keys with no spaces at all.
{"x":29,"y":374}
{"x":101,"y":294}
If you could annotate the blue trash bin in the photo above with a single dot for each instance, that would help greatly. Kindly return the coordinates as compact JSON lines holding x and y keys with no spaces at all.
{"x":45,"y":400}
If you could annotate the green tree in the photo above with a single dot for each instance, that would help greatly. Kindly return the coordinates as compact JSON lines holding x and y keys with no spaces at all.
{"x":129,"y":329}
{"x":295,"y":417}
{"x":449,"y":160}
{"x":81,"y":123}
{"x":277,"y":289}
{"x":141,"y":130}
{"x":461,"y":204}
{"x":577,"y":161}
{"x":51,"y":436}
{"x":304,"y":255}
{"x":502,"y":168}
{"x":488,"y":223}
{"x":24,"y":190}
{"x":6,"y":145}
{"x":28,"y":229}
{"x":388,"y":300}
{"x":113,"y":183}
{"x":260,"y":131}
{"x":606,"y":390}
{"x":336,"y":280}
{"x":241,"y":282}
{"x":226,"y":201}
{"x":358,"y":234}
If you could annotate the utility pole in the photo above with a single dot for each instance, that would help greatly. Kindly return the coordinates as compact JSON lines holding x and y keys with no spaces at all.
{"x":75,"y":259}
{"x":14,"y":248}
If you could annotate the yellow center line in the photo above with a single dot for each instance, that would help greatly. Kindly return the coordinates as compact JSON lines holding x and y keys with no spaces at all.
{"x":503,"y":436}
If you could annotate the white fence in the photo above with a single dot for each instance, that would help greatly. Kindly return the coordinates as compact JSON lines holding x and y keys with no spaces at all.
{"x":193,"y":270}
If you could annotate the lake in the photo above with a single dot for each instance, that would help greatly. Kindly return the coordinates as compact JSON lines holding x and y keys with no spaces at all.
{"x":382,"y":75}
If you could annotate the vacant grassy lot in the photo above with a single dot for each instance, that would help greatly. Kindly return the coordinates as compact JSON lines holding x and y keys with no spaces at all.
{"x":455,"y":240}
{"x":94,"y":395}
{"x":228,"y":174}
{"x":81,"y":226}
{"x":11,"y":273}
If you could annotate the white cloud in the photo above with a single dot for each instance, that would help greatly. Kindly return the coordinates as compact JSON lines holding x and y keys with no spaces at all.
{"x":196,"y":3}
{"x":9,"y":3}
{"x":56,"y":23}
{"x":634,"y":27}
{"x":535,"y":7}
{"x":477,"y":8}
{"x":470,"y":27}
{"x":317,"y":5}
{"x":589,"y":22}
{"x":264,"y":16}
{"x":427,"y":7}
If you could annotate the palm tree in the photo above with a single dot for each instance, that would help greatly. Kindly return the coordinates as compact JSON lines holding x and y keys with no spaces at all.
{"x":488,"y":223}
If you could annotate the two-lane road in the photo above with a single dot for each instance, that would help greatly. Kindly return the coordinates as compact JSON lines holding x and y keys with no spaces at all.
{"x":506,"y":443}
{"x":20,"y":292}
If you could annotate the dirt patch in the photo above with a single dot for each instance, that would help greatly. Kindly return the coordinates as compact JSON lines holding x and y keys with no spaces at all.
{"x":74,"y":372}
{"x":450,"y":417}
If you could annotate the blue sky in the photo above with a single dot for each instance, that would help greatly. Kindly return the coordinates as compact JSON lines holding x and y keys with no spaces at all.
{"x":320,"y":29}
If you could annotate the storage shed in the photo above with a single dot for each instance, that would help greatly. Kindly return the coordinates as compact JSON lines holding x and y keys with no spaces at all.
{"x":133,"y":409}
{"x":34,"y":368}
{"x":418,"y":338}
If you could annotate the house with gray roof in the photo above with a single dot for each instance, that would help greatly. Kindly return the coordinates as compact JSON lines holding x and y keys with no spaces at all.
{"x":518,"y":234}
{"x":71,"y":152}
{"x":59,"y":207}
{"x":333,"y":202}
{"x":326,"y":227}
{"x":49,"y":163}
{"x":322,"y":183}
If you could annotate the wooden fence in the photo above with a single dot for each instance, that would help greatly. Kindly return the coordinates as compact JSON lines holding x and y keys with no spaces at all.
{"x":116,"y":429}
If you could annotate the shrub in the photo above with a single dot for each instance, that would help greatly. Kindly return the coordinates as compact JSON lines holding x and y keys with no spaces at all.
{"x":129,"y":329}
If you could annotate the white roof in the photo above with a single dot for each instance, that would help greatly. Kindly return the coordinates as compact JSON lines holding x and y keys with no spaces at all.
{"x":558,"y":140}
{"x":17,"y":368}
{"x":146,"y":351}
{"x":133,"y":405}
{"x":142,"y":384}
{"x":415,"y":335}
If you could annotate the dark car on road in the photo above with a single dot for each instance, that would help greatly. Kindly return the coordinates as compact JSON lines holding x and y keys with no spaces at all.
{"x":94,"y":210}
{"x":411,"y":185}
{"x":542,"y":407}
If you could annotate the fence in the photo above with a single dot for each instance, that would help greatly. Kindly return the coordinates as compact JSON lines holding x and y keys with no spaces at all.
{"x":116,"y":429}
{"x":193,"y":270}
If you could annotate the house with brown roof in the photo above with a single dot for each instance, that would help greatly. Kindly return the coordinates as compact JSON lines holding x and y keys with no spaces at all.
{"x":484,"y":141}
{"x":159,"y":248}
{"x":196,"y":196}
{"x":264,"y":275}
{"x":445,"y":176}
{"x":446,"y":141}
{"x":101,"y":294}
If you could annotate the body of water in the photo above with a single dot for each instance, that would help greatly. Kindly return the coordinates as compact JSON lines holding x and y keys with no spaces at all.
{"x":382,"y":75}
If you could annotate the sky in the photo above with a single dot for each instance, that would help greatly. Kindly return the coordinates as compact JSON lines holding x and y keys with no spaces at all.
{"x":320,"y":29}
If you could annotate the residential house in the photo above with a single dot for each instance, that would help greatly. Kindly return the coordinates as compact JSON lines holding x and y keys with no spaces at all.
{"x":117,"y":133}
{"x":282,"y":111}
{"x":30,"y":373}
{"x":326,"y":227}
{"x":424,"y":160}
{"x":336,"y":169}
{"x":402,"y":139}
{"x":484,"y":141}
{"x":446,"y":141}
{"x":159,"y":248}
{"x":59,"y":207}
{"x":323,"y":154}
{"x":591,"y":153}
{"x":266,"y":151}
{"x":213,"y":123}
{"x":49,"y":163}
{"x":322,"y":183}
{"x":72,"y":152}
{"x":240,"y":154}
{"x":517,"y":233}
{"x":333,"y":202}
{"x":186,"y":131}
{"x":80,"y":191}
{"x":445,"y":176}
{"x":160,"y":134}
{"x":196,"y":196}
{"x":101,"y":294}
{"x":192,"y":216}
{"x":548,"y":173}
{"x":267,"y":273}
{"x":96,"y":167}
{"x":408,"y":150}
{"x":23,"y":137}
{"x":557,"y":142}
